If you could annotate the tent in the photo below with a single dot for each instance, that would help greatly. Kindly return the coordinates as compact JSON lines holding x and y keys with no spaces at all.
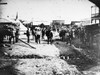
{"x":22,"y":28}
{"x":19,"y":25}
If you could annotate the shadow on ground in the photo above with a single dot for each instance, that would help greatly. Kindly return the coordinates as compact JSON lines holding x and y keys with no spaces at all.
{"x":7,"y":67}
{"x":74,"y":56}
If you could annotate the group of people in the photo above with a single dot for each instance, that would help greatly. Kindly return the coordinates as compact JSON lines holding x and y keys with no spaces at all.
{"x":9,"y":34}
{"x":38,"y":34}
{"x":67,"y":35}
{"x":13,"y":35}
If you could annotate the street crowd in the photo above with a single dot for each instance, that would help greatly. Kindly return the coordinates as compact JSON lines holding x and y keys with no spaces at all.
{"x":67,"y":35}
{"x":39,"y":33}
{"x":84,"y":34}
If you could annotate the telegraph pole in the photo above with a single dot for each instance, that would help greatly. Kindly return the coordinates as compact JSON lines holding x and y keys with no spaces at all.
{"x":3,"y":3}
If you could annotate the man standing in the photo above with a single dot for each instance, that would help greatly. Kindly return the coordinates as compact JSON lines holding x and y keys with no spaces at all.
{"x":43,"y":33}
{"x":49,"y":35}
{"x":37,"y":35}
{"x":17,"y":35}
{"x":28,"y":35}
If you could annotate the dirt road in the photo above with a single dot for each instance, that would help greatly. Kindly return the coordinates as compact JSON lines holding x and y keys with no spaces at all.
{"x":20,"y":59}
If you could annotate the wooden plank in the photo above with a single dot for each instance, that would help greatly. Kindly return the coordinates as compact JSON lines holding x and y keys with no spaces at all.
{"x":27,"y":43}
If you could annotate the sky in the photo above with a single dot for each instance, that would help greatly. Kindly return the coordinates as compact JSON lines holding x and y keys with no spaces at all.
{"x":47,"y":10}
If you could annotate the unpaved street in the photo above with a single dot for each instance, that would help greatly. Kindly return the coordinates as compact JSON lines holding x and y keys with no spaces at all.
{"x":44,"y":60}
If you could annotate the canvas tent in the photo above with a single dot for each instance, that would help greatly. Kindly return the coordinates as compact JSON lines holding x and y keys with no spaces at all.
{"x":20,"y":26}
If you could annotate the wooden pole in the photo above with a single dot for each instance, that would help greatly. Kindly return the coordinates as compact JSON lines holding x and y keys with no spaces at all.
{"x":27,"y":43}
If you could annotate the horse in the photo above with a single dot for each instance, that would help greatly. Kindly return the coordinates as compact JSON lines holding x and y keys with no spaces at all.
{"x":69,"y":36}
{"x":62,"y":34}
{"x":9,"y":33}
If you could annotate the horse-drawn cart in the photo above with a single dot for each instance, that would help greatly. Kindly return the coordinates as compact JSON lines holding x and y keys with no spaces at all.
{"x":6,"y":29}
